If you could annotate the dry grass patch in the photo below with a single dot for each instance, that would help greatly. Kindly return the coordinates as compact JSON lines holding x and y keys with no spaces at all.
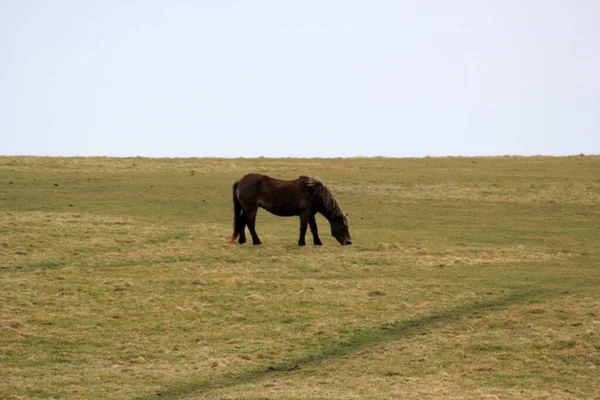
{"x":46,"y":240}
{"x":568,"y":192}
{"x":436,"y":255}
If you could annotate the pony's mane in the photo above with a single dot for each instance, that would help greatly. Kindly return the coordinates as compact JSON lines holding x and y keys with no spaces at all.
{"x":318,"y":188}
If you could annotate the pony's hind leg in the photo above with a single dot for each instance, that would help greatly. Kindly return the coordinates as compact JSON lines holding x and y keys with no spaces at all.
{"x":242,"y":227}
{"x":251,"y":221}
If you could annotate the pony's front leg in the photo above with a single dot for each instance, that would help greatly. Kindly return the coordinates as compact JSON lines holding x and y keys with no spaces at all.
{"x":313,"y":228}
{"x":304,"y":217}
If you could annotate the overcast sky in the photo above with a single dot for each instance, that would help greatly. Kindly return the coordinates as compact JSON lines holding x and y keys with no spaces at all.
{"x":226,"y":78}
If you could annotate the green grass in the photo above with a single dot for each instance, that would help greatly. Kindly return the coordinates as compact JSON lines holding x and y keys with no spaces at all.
{"x":469,"y":278}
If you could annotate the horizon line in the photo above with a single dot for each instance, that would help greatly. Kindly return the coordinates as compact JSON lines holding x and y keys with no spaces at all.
{"x":304,"y":158}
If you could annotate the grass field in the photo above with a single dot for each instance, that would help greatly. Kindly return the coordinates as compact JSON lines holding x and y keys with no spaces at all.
{"x":469,"y":278}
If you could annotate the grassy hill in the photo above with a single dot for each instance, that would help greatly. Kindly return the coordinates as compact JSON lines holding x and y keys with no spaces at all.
{"x":468,"y":278}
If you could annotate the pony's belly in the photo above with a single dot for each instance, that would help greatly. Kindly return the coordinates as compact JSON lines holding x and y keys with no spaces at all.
{"x":281,"y":212}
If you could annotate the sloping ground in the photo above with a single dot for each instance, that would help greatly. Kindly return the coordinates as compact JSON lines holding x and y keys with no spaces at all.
{"x":469,"y":278}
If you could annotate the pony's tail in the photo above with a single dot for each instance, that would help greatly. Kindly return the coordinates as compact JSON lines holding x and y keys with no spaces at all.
{"x":237,"y":214}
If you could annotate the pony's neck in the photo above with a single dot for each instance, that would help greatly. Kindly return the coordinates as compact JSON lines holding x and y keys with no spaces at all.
{"x":326,"y":212}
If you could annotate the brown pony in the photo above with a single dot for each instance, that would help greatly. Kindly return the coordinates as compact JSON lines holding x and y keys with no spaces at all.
{"x":303,"y":197}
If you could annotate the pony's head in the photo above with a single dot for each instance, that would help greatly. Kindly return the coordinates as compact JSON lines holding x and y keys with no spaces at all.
{"x":331,"y":210}
{"x":340,"y":229}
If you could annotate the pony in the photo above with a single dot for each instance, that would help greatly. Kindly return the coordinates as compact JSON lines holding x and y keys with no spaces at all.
{"x":303,"y":197}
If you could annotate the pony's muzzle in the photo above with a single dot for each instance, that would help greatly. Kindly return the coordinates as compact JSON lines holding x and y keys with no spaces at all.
{"x":347,"y":242}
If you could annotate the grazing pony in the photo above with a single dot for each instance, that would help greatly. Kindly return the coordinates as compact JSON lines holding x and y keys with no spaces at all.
{"x":303,"y":197}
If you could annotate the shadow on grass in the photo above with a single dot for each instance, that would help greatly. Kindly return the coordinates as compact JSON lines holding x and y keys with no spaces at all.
{"x":377,"y":336}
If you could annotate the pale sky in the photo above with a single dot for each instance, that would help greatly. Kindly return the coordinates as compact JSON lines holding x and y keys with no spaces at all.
{"x":226,"y":78}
